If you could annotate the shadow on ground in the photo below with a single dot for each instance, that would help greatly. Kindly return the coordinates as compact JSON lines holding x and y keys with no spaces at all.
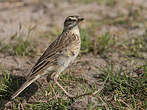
{"x":11,"y":84}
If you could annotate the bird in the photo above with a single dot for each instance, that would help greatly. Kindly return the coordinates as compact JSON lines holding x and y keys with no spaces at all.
{"x":57,"y":57}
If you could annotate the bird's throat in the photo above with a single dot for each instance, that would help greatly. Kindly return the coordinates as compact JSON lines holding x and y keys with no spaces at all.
{"x":75,"y":30}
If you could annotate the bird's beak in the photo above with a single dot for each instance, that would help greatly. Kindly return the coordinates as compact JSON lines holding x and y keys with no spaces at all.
{"x":80,"y":19}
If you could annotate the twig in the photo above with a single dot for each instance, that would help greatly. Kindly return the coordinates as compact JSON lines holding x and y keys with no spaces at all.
{"x":124,"y":103}
{"x":22,"y":106}
{"x":106,"y":107}
{"x":95,"y":92}
{"x":102,"y":87}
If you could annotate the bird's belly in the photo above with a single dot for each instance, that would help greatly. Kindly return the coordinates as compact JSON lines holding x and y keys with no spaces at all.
{"x":64,"y":60}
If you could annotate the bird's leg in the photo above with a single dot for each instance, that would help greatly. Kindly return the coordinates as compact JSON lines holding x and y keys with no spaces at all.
{"x":56,"y":96}
{"x":49,"y":78}
{"x":68,"y":94}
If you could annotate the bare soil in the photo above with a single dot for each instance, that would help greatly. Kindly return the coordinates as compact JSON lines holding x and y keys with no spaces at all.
{"x":48,"y":15}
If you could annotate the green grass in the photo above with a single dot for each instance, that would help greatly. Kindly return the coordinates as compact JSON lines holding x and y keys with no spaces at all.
{"x":121,"y":90}
{"x":19,"y":44}
{"x":97,"y":44}
{"x":8,"y":83}
{"x":104,"y":43}
{"x":86,"y":43}
{"x":58,"y":104}
{"x":125,"y":91}
{"x":135,"y":47}
{"x":20,"y":47}
{"x":5,"y":83}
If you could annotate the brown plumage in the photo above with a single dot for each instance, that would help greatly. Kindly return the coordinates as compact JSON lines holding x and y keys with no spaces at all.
{"x":58,"y":55}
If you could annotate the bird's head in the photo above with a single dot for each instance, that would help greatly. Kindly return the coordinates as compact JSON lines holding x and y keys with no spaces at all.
{"x":72,"y":21}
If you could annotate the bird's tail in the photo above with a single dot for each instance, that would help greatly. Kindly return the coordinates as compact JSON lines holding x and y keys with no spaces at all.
{"x":25,"y":85}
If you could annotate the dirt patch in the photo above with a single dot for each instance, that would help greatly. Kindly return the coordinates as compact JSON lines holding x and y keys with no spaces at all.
{"x":124,"y":20}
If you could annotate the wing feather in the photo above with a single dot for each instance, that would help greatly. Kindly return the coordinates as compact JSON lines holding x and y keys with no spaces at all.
{"x":51,"y":53}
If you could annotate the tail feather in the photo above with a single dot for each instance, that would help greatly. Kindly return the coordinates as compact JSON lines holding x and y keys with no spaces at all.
{"x":25,"y":85}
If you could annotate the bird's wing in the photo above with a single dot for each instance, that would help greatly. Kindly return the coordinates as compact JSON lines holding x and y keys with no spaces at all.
{"x":51,"y":53}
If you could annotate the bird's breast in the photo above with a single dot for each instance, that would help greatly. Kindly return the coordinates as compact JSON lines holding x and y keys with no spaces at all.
{"x":68,"y":55}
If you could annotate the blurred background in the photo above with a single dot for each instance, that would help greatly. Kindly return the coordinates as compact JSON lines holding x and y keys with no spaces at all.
{"x":112,"y":61}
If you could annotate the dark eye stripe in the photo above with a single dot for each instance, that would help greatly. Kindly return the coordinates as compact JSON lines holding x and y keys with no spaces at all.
{"x":69,"y":22}
{"x":72,"y":19}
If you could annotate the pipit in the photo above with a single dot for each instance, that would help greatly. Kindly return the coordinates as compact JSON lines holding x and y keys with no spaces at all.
{"x":57,"y":56}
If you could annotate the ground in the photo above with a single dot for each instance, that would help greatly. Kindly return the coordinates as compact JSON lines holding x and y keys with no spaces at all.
{"x":110,"y":70}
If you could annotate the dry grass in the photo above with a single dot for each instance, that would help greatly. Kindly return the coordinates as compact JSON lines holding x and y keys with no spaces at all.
{"x":111,"y":69}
